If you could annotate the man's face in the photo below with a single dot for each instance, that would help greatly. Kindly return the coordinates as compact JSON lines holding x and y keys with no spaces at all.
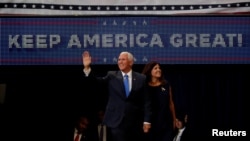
{"x":179,"y":124}
{"x":82,"y":124}
{"x":124,"y":63}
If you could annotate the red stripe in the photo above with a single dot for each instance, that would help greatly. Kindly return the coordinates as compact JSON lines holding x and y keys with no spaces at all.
{"x":203,"y":59}
{"x":155,"y":59}
{"x":202,"y":22}
{"x":51,"y":23}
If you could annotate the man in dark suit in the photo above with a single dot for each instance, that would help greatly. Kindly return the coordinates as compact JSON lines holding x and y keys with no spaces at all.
{"x":182,"y":131}
{"x":83,"y":130}
{"x":127,"y":114}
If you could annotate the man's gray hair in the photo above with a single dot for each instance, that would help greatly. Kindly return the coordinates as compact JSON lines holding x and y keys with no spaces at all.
{"x":130,"y":55}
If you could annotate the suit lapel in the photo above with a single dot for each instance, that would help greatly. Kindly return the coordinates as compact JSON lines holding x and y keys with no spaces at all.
{"x":134,"y":79}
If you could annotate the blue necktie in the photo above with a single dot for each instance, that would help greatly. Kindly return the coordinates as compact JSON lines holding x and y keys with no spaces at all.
{"x":126,"y":84}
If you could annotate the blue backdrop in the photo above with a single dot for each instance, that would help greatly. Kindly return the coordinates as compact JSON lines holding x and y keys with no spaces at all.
{"x":167,"y":39}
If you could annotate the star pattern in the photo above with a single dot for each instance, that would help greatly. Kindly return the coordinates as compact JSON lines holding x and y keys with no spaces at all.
{"x":119,"y":7}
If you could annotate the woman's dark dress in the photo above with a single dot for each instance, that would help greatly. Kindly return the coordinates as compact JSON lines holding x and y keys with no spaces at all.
{"x":162,"y":122}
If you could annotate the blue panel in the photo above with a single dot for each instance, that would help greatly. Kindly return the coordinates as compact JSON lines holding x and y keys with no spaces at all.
{"x":167,"y":39}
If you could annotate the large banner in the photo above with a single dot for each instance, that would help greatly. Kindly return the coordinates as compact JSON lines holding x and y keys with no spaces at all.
{"x":117,"y":7}
{"x":167,"y":39}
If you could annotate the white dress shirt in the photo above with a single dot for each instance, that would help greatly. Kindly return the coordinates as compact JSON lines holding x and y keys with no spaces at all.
{"x":75,"y":134}
{"x":104,"y":132}
{"x":178,"y":136}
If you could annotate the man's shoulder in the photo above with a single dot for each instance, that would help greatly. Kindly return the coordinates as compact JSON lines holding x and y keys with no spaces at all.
{"x":113,"y":72}
{"x":134,"y":73}
{"x":139,"y":75}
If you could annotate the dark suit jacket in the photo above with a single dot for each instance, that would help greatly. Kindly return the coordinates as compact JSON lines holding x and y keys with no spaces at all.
{"x":132,"y":110}
{"x":186,"y":134}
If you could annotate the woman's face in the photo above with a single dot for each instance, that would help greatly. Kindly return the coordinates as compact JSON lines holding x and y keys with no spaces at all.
{"x":156,"y":71}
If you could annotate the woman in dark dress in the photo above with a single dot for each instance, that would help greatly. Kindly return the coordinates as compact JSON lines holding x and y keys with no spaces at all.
{"x":163,"y":109}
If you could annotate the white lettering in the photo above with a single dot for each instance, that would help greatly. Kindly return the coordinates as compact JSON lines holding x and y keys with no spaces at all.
{"x":219,"y":41}
{"x":139,"y":38}
{"x":74,"y":41}
{"x":120,"y":39}
{"x":176,"y":40}
{"x":107,"y":40}
{"x":14,"y":41}
{"x":54,"y":40}
{"x":206,"y":40}
{"x":27,"y":41}
{"x":191,"y":39}
{"x":156,"y":40}
{"x":216,"y":132}
{"x":94,"y":40}
{"x":39,"y":41}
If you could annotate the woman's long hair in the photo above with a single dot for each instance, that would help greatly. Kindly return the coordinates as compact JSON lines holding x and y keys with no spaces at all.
{"x":147,"y":71}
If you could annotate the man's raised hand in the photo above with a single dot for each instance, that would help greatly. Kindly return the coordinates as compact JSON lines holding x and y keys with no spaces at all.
{"x":86,"y":59}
